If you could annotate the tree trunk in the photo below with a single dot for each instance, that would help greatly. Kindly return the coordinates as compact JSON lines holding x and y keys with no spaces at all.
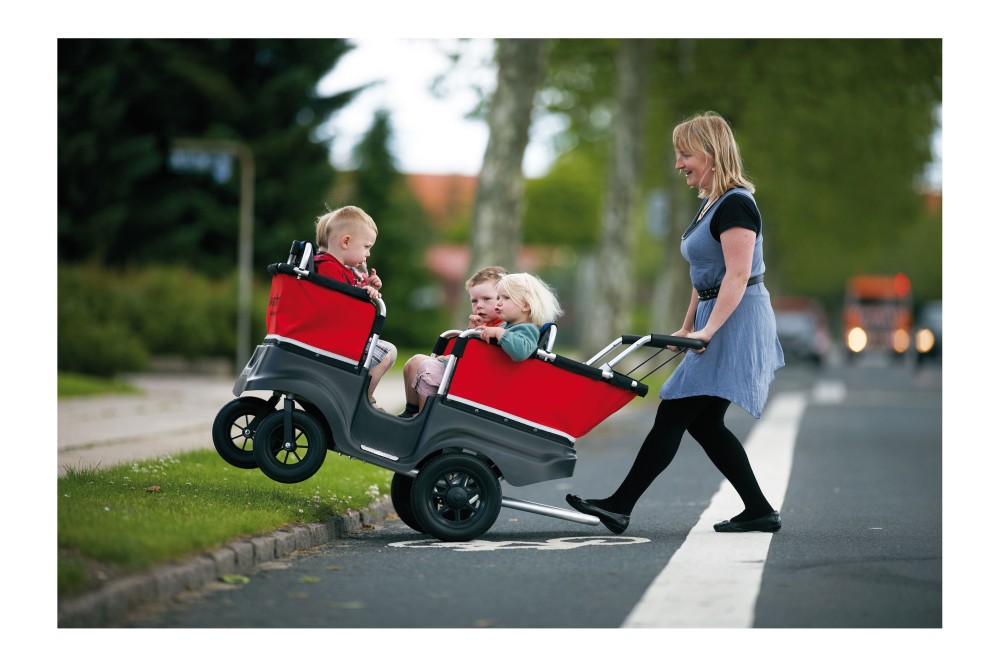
{"x":672,"y":290}
{"x":496,"y":219}
{"x":611,"y":309}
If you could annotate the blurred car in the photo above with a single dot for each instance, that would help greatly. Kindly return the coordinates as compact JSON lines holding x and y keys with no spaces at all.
{"x":802,"y":329}
{"x":878,"y":315}
{"x":927,"y":338}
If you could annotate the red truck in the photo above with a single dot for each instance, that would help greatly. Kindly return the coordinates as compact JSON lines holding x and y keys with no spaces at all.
{"x":878,"y":313}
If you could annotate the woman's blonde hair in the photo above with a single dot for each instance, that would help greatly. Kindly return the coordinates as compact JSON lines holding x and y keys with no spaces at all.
{"x":526,"y":289}
{"x":709,"y":134}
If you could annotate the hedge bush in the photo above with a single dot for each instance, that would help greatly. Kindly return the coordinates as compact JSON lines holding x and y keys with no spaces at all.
{"x":112,"y":322}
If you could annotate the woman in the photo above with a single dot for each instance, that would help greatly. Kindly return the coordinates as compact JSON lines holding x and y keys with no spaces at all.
{"x":730,"y":310}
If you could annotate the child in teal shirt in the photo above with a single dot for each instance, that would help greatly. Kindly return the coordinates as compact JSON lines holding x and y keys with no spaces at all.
{"x":524,"y":303}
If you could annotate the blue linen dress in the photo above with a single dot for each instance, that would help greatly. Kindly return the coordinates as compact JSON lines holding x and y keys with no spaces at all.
{"x":739,"y":362}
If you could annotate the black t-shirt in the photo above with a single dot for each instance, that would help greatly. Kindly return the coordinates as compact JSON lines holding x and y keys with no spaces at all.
{"x":735,"y":211}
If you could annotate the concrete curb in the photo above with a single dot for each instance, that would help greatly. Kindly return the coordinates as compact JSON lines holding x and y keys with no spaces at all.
{"x":116,"y":599}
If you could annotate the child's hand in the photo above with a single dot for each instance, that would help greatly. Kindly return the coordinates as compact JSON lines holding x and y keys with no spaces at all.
{"x":372,"y":292}
{"x":490,"y":333}
{"x":374,"y":280}
{"x":475,"y":321}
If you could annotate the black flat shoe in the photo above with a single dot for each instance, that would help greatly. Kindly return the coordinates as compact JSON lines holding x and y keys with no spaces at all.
{"x":616,"y":523}
{"x":769,"y":523}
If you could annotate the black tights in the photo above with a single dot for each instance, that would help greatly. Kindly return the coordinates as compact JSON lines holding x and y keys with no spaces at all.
{"x":703,"y":417}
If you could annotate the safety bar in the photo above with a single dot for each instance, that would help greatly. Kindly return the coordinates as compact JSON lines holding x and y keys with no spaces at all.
{"x":635,"y":342}
{"x":449,"y":368}
{"x":548,"y":510}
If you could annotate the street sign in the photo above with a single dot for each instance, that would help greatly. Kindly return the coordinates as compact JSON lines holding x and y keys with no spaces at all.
{"x":218,"y":163}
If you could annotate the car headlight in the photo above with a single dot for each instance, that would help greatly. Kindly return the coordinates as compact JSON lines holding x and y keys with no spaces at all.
{"x":924,"y":340}
{"x":900,"y":340}
{"x":857,"y":339}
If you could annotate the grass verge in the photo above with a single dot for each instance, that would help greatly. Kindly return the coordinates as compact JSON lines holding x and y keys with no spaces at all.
{"x":72,"y":384}
{"x":128,"y":517}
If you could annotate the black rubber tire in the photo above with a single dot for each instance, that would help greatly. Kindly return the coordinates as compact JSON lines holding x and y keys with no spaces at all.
{"x":304,"y":455}
{"x":234,"y":428}
{"x":399,"y":492}
{"x":456,"y":497}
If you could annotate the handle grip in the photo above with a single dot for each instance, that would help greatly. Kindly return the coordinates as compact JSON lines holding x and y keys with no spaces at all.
{"x":661,"y":340}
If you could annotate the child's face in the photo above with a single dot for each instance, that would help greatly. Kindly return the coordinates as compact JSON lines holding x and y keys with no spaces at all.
{"x":483,"y":297}
{"x":355,"y":248}
{"x":508,"y":311}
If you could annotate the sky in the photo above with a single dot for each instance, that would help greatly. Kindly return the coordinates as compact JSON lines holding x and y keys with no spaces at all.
{"x":433,"y":134}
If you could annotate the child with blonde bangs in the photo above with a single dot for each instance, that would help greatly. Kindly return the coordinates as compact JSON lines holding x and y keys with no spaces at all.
{"x":523,"y":303}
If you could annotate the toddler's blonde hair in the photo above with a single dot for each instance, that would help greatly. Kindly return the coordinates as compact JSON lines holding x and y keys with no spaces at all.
{"x":344,"y":220}
{"x":526,"y":289}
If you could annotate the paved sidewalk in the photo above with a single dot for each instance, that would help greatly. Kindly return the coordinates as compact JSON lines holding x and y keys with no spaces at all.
{"x":173,"y":414}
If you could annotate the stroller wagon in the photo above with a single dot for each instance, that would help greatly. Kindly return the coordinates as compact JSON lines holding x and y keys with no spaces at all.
{"x":448,"y":467}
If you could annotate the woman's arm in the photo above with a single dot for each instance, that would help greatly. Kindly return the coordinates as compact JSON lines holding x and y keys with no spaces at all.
{"x":685,"y":330}
{"x":737,"y":250}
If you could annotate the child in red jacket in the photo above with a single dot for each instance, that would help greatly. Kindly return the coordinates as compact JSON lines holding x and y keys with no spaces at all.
{"x":345,"y":238}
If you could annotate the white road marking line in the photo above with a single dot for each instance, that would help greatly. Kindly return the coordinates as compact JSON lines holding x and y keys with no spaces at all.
{"x":829,"y":391}
{"x":713,"y":579}
{"x":556,"y":543}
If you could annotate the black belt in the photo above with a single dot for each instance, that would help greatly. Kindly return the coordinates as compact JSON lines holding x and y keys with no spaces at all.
{"x":712,"y":292}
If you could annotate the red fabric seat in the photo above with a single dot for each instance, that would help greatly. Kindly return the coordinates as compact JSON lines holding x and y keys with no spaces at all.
{"x":566,"y":401}
{"x":330,"y":322}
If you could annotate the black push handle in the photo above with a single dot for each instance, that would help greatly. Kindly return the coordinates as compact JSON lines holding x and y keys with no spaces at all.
{"x":661,"y":341}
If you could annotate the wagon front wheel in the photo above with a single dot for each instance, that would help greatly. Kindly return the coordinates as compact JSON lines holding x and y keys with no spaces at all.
{"x":294,"y":458}
{"x":235,"y":427}
{"x":456,"y":497}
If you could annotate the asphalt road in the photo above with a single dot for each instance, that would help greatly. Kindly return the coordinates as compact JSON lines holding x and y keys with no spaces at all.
{"x":861,"y":545}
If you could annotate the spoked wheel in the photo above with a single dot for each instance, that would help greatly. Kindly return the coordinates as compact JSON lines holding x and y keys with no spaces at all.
{"x":399,"y":492}
{"x":456,"y":497}
{"x":234,"y":428}
{"x":293,"y":459}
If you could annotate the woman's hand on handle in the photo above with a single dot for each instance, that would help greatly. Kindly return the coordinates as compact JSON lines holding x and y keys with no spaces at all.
{"x":683,"y":333}
{"x":701,"y":335}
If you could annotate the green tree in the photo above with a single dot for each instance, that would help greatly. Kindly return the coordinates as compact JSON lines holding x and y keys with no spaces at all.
{"x":835,"y":134}
{"x":496,"y":219}
{"x":403,"y":238}
{"x":614,"y":293}
{"x":122,"y":103}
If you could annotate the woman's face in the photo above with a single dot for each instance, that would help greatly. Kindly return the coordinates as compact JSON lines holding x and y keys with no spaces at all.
{"x":696,"y":167}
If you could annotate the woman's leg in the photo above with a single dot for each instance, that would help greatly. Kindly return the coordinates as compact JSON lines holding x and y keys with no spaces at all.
{"x":657,"y":451}
{"x":727,"y":453}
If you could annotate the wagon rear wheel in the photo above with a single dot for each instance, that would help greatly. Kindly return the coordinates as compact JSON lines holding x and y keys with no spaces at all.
{"x":456,"y":497}
{"x":295,"y":458}
{"x":234,"y":429}
{"x":399,"y":492}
